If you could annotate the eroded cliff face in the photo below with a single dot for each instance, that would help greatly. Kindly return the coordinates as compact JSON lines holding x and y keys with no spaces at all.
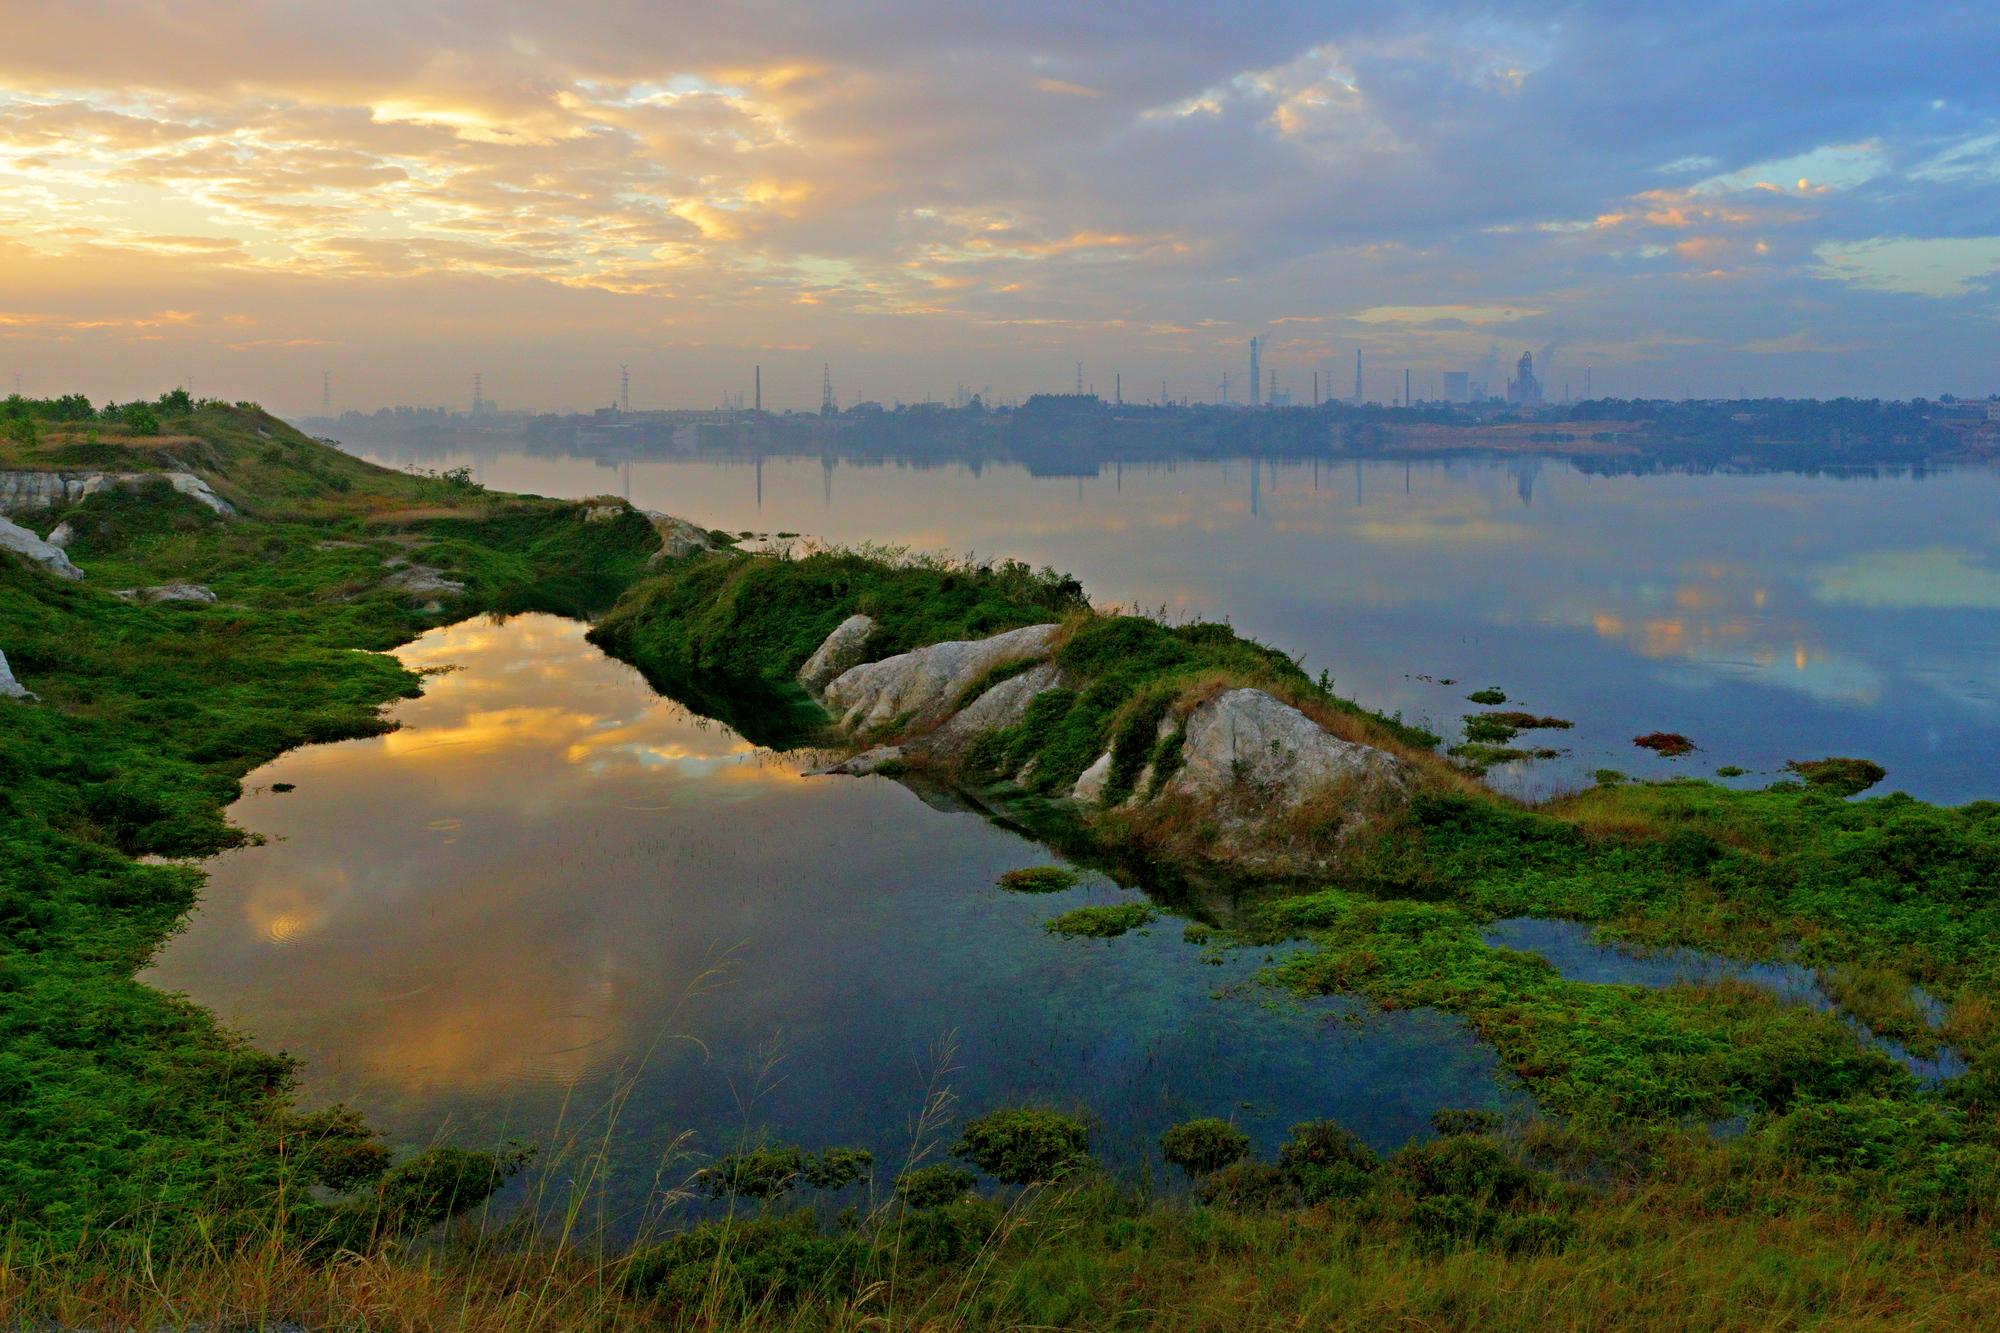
{"x":1261,"y":786}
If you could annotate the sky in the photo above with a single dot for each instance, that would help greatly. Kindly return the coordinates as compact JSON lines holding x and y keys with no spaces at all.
{"x":1776,"y":198}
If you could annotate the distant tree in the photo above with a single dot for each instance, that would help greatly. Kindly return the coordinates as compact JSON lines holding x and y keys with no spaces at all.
{"x":176,"y":402}
{"x":141,"y":419}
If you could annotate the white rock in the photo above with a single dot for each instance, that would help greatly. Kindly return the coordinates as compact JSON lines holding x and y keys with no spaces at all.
{"x":1002,"y":706}
{"x":921,"y":686}
{"x":1090,"y":786}
{"x":63,"y":535}
{"x":678,"y":537}
{"x":9,"y":687}
{"x":168,"y":592}
{"x":1245,"y":747}
{"x":840,"y":650}
{"x":14,"y":537}
{"x":194,"y":488}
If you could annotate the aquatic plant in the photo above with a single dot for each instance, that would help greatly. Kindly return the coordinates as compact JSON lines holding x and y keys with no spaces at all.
{"x":1039,"y":879}
{"x":1101,"y":923}
{"x":1842,"y":777}
{"x":1670,"y":744}
{"x":1489,"y":696}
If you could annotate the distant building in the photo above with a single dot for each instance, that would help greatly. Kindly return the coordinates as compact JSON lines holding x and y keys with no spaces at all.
{"x":1524,"y":390}
{"x":1457,"y":386}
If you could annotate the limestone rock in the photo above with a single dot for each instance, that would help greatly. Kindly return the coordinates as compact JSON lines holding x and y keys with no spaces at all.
{"x":168,"y":592}
{"x":922,"y":685}
{"x":1002,"y":706}
{"x":603,"y":511}
{"x":197,"y":490}
{"x":842,"y":649}
{"x":1090,"y":785}
{"x":61,"y":537}
{"x":1245,"y":746}
{"x":14,"y":537}
{"x":9,"y":687}
{"x":678,"y":537}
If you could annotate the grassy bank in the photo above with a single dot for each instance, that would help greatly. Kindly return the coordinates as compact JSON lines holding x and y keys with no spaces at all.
{"x":129,"y":1121}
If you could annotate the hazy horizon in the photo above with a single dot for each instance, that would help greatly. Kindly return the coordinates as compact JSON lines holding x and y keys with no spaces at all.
{"x":1716,"y":201}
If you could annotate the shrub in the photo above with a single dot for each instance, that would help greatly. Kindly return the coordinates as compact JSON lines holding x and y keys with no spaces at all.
{"x":934,"y":1186}
{"x":1472,"y":1120}
{"x":1100,"y":923}
{"x":1323,"y":1161}
{"x":1464,"y":1166}
{"x":1200,"y":1147}
{"x":737,"y":1263}
{"x":769,"y":1171}
{"x":1024,"y":1145}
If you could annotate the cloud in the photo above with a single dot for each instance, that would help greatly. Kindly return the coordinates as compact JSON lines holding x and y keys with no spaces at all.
{"x":907,"y":187}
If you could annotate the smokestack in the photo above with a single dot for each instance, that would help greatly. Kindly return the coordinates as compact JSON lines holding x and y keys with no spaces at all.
{"x":759,"y":381}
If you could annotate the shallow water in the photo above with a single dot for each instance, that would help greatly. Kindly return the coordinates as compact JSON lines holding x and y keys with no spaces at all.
{"x":1768,"y":617}
{"x":1575,"y":950}
{"x":552,"y":889}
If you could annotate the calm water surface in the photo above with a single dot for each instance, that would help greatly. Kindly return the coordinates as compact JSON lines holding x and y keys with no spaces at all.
{"x":1768,"y":617}
{"x":552,"y":890}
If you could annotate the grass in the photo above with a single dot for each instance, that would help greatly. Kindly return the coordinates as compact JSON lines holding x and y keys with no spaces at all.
{"x":128,"y":1118}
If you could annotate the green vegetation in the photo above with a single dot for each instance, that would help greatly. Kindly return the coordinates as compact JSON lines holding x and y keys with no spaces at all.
{"x":1101,"y":923}
{"x":1039,"y":879}
{"x":1668,"y":744}
{"x":1024,"y":1145}
{"x":1200,"y":1147}
{"x":1489,"y":697}
{"x":129,"y":1121}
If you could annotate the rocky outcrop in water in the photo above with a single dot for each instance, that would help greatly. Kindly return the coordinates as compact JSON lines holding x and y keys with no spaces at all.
{"x":922,"y":687}
{"x":9,"y":687}
{"x":1269,"y":788}
{"x":1245,"y":742}
{"x":842,"y":649}
{"x":14,"y":537}
{"x":42,"y":490}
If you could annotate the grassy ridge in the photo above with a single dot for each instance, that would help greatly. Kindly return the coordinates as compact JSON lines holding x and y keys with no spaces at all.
{"x":127,"y":1117}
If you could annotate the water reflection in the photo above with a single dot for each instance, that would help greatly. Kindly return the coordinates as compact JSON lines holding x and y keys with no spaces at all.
{"x":551,"y":883}
{"x":1769,"y":617}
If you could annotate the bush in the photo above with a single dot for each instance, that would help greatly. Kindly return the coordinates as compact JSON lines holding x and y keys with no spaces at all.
{"x":1024,"y":1145}
{"x":141,"y":419}
{"x":769,"y":1171}
{"x":736,"y":1264}
{"x":1465,"y":1167}
{"x":1039,"y":879}
{"x":1324,"y":1162}
{"x":1200,"y":1147}
{"x":934,"y":1186}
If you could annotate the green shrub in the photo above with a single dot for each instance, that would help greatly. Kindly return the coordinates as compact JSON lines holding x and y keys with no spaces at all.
{"x":1024,"y":1145}
{"x":1323,"y":1161}
{"x":1039,"y":879}
{"x":1200,"y":1147}
{"x":934,"y":1186}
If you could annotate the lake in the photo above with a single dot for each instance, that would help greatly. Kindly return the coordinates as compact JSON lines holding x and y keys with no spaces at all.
{"x":556,"y":905}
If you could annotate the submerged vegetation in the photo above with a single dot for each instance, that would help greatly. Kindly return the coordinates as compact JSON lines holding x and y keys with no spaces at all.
{"x":1784,"y":1164}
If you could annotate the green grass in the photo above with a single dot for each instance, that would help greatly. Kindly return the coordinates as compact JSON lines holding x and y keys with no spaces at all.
{"x":129,"y":1118}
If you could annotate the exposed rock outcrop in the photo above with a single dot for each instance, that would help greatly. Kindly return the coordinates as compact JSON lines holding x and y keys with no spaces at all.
{"x":678,"y":537}
{"x":842,"y":649}
{"x":1090,"y":784}
{"x":168,"y":592}
{"x":922,"y":686}
{"x":422,"y":584}
{"x":1245,"y":743}
{"x":41,"y":490}
{"x":1002,"y":706}
{"x":14,"y":537}
{"x":9,"y":687}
